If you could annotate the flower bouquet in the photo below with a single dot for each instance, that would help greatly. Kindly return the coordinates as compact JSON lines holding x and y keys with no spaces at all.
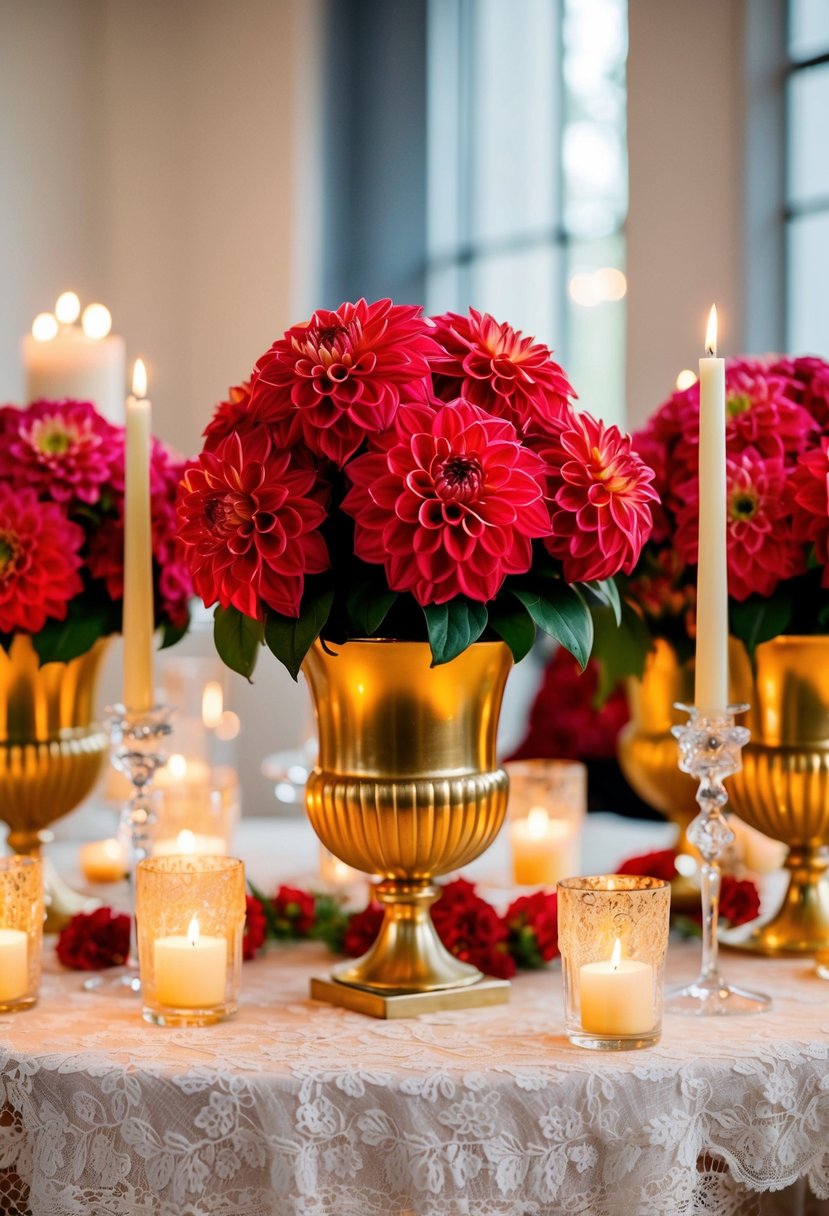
{"x":387,"y":474}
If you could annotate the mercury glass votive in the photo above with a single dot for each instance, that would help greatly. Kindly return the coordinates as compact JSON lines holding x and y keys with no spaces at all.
{"x":190,"y":914}
{"x":196,"y":817}
{"x":546,"y":810}
{"x":21,"y":931}
{"x":613,"y":937}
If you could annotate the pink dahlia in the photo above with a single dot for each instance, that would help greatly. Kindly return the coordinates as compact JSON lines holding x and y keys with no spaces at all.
{"x":497,"y":368}
{"x":450,"y":503}
{"x":65,"y":449}
{"x":761,"y":547}
{"x":809,"y":494}
{"x":39,"y":561}
{"x":601,"y":494}
{"x":248,"y":516}
{"x":340,"y":377}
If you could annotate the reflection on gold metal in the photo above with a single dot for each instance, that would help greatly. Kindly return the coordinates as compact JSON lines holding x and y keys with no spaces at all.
{"x":783,"y":789}
{"x":410,"y":1004}
{"x":406,"y":787}
{"x":50,"y":749}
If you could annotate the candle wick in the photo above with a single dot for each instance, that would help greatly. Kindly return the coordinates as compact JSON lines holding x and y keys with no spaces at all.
{"x":709,"y":350}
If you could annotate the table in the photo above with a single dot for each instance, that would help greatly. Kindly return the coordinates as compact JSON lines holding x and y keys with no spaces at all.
{"x":298,"y":1109}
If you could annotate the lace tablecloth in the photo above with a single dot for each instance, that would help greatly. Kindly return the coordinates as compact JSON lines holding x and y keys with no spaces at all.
{"x":298,"y":1108}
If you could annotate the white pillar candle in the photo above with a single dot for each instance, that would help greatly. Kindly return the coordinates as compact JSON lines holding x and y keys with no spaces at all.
{"x":191,"y":971}
{"x":544,"y":850}
{"x":62,"y":360}
{"x":711,"y":688}
{"x":14,"y":964}
{"x":138,"y":560}
{"x":617,"y":996}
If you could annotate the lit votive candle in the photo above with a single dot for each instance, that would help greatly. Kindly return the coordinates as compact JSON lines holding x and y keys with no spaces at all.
{"x":103,"y":861}
{"x":14,"y":964}
{"x":190,"y":970}
{"x":617,"y":995}
{"x":21,"y":931}
{"x":336,"y":872}
{"x":193,"y":844}
{"x":544,"y":850}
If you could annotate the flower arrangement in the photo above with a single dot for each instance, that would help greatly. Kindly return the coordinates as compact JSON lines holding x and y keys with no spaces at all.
{"x":62,"y":529}
{"x":739,"y":900}
{"x":387,"y":474}
{"x":777,"y":439}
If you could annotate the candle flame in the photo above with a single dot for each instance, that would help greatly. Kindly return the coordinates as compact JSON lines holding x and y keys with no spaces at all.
{"x":616,"y":956}
{"x":67,"y":308}
{"x":44,"y":327}
{"x":193,"y":931}
{"x":96,"y":321}
{"x":113,"y":850}
{"x":139,"y":379}
{"x":537,"y":823}
{"x":186,"y":841}
{"x":212,"y":704}
{"x":711,"y":331}
{"x":177,"y":766}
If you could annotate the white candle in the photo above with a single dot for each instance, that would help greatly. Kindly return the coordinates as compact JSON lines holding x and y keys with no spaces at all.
{"x":191,"y":971}
{"x":760,"y":854}
{"x":62,"y":360}
{"x":14,"y":964}
{"x":544,"y":850}
{"x":617,"y":996}
{"x":711,"y":688}
{"x":103,"y":861}
{"x":138,"y":561}
{"x":191,"y":844}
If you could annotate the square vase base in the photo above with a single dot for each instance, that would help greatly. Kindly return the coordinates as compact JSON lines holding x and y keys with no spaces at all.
{"x":607,"y":1042}
{"x":409,"y":1004}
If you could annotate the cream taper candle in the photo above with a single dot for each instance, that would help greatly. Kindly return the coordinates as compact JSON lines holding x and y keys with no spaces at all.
{"x":711,"y":688}
{"x":138,"y":557}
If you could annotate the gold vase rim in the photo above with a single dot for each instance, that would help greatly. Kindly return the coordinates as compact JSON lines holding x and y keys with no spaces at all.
{"x":401,"y":642}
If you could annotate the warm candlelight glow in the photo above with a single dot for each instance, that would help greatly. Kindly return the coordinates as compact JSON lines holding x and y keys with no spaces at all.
{"x":616,"y":956}
{"x":177,"y":767}
{"x":139,"y":379}
{"x":228,"y":726}
{"x":96,"y":321}
{"x":186,"y":841}
{"x":711,"y":332}
{"x":193,"y":931}
{"x":212,"y":704}
{"x":537,"y":823}
{"x":44,"y":327}
{"x":685,"y":379}
{"x":67,"y":308}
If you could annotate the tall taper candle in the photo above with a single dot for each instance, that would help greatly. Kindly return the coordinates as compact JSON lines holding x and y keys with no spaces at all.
{"x":138,"y":558}
{"x":711,"y":691}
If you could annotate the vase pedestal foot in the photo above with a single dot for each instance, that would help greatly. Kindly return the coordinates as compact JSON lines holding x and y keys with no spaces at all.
{"x":801,"y":925}
{"x":409,"y":1004}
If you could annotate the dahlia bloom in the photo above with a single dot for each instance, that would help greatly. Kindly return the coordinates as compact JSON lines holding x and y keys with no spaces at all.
{"x":810,"y":502}
{"x":62,"y":448}
{"x":340,"y":377}
{"x":601,"y":493}
{"x":39,"y":560}
{"x":497,"y":368}
{"x":248,"y":516}
{"x":449,"y":503}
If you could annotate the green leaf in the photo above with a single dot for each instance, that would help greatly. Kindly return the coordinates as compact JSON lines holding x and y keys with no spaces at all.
{"x":511,"y":621}
{"x":607,"y":591}
{"x":621,"y":650}
{"x":453,"y":626}
{"x":367,"y":602}
{"x":60,"y":641}
{"x":758,"y":619}
{"x":290,"y":638}
{"x":561,"y":611}
{"x":237,"y":638}
{"x":170,"y":634}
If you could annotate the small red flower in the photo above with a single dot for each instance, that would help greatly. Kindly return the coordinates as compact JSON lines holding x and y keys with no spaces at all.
{"x":497,"y":368}
{"x":472,"y":930}
{"x":809,"y":496}
{"x":739,"y":900}
{"x":450,"y":503}
{"x":661,"y":863}
{"x":341,"y":376}
{"x":294,"y":910}
{"x":255,"y":927}
{"x":532,"y":923}
{"x":93,"y":940}
{"x":249,"y":515}
{"x":39,"y":561}
{"x":362,"y":929}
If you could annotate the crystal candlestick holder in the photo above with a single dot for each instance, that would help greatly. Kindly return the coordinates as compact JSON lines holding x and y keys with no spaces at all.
{"x":709,"y":750}
{"x":137,"y":751}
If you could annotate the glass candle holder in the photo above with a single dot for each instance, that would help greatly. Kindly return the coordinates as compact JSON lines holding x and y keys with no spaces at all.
{"x":613,"y":937}
{"x":190,"y":913}
{"x":21,"y":931}
{"x":546,"y":810}
{"x":196,"y":818}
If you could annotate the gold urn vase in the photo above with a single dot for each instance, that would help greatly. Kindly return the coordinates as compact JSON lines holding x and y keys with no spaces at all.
{"x":406,"y":788}
{"x":51,"y":749}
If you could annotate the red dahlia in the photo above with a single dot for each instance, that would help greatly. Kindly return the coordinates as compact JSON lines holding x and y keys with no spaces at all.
{"x":449,"y":504}
{"x":39,"y":561}
{"x":64,"y":449}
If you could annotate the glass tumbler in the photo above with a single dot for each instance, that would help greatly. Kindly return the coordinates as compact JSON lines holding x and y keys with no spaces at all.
{"x":21,"y":931}
{"x":547,"y":806}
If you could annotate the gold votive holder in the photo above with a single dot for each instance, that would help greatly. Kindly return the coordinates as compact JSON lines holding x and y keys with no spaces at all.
{"x":190,"y":916}
{"x":545,"y":815}
{"x":613,"y":937}
{"x":21,"y":931}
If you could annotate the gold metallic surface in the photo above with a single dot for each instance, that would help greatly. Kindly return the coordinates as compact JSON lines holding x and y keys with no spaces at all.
{"x":51,"y":751}
{"x":409,"y":1004}
{"x":406,"y":787}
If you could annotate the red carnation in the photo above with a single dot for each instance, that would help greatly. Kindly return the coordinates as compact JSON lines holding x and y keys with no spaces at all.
{"x":472,"y":930}
{"x":661,"y":863}
{"x":341,"y":376}
{"x":362,"y":929}
{"x":39,"y":561}
{"x":248,"y":514}
{"x":294,"y":912}
{"x":739,"y":900}
{"x":93,"y":940}
{"x":497,"y":368}
{"x":532,"y":923}
{"x":450,"y":503}
{"x":255,"y":927}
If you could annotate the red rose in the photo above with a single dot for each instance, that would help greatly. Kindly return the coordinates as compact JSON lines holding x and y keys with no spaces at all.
{"x":532,"y":923}
{"x":472,"y":930}
{"x":739,"y":900}
{"x":294,"y":912}
{"x":659,"y":864}
{"x":93,"y":940}
{"x":362,"y":930}
{"x":255,"y":927}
